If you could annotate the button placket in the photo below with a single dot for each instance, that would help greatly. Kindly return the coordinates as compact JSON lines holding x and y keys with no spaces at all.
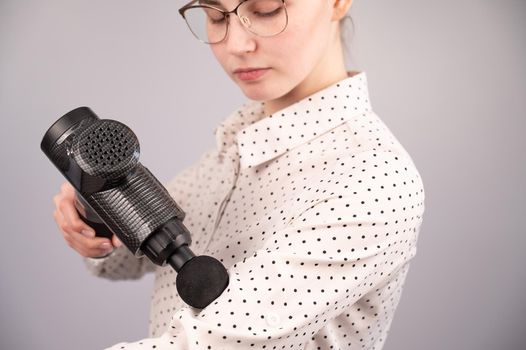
{"x":232,"y":169}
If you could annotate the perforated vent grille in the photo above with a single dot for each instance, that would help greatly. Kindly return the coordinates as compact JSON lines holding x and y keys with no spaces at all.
{"x":107,"y":149}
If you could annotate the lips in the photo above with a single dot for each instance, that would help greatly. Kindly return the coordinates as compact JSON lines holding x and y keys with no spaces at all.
{"x":250,"y":73}
{"x":239,"y":70}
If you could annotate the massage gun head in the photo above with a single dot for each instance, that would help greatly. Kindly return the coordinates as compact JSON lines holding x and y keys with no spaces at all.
{"x":89,"y":151}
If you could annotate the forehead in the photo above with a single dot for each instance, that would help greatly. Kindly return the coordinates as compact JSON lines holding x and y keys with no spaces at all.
{"x":228,"y":4}
{"x":220,"y":3}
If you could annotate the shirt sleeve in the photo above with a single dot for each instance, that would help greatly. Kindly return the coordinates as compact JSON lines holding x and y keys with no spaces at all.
{"x":344,"y":244}
{"x":121,"y":264}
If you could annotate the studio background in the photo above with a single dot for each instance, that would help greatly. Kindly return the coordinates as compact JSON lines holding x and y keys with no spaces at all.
{"x":448,"y":78}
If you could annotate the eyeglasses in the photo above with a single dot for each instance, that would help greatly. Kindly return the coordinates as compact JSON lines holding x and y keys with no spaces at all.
{"x":209,"y":23}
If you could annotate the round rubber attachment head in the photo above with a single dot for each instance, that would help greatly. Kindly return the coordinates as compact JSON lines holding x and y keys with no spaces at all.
{"x":201,"y":280}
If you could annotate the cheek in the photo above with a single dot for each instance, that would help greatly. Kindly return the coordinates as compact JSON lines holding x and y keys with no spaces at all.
{"x":286,"y":48}
{"x":302,"y":43}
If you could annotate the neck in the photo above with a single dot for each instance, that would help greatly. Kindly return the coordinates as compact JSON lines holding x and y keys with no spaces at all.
{"x":329,"y":70}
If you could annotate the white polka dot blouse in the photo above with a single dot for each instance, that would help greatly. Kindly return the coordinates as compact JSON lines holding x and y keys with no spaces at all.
{"x":314,"y":210}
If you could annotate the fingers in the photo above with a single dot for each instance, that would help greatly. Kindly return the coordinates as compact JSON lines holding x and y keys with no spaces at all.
{"x":116,"y":241}
{"x":67,"y":208}
{"x":85,"y":246}
{"x":91,"y":247}
{"x":83,"y":234}
{"x":77,"y":234}
{"x":67,"y":189}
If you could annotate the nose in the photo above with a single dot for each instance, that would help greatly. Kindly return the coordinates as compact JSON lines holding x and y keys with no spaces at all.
{"x":239,"y":40}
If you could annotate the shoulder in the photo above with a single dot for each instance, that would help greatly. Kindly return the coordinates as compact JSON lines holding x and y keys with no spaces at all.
{"x":366,"y":190}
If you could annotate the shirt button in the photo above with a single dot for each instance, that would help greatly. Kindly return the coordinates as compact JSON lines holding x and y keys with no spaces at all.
{"x":272,"y":319}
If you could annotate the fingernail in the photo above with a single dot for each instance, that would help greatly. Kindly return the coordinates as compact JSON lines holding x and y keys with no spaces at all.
{"x":105,"y":246}
{"x":88,"y":233}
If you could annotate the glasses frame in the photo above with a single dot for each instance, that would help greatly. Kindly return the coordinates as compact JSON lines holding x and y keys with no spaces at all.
{"x":191,"y":5}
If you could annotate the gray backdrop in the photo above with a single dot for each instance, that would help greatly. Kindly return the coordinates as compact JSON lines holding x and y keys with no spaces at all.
{"x":448,"y":78}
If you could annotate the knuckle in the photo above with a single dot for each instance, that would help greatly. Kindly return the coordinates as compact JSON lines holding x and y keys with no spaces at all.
{"x":77,"y":224}
{"x":62,"y":205}
{"x":58,"y":220}
{"x":64,"y":186}
{"x":64,"y":226}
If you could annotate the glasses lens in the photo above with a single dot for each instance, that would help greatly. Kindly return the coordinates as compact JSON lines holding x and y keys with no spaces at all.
{"x":263,"y":17}
{"x":207,"y":24}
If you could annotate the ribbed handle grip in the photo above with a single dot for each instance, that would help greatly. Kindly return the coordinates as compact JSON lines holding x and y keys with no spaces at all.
{"x":136,"y":208}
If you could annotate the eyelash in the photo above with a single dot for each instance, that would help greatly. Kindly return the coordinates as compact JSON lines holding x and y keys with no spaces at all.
{"x":264,"y":14}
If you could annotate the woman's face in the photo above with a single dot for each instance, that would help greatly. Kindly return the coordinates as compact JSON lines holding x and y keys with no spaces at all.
{"x":290,"y":55}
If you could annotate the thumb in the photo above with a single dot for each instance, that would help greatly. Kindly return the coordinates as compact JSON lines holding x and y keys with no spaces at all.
{"x":116,"y":241}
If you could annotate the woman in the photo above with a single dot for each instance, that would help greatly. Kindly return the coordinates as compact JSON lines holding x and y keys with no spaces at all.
{"x":308,"y":200}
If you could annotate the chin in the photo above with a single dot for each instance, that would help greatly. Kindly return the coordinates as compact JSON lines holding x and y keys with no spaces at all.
{"x":256,"y":93}
{"x":261,"y":92}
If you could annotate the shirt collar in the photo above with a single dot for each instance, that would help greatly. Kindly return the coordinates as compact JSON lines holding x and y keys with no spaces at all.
{"x":260,"y":138}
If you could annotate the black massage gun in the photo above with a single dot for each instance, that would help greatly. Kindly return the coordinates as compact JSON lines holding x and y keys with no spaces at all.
{"x":115,"y":194}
